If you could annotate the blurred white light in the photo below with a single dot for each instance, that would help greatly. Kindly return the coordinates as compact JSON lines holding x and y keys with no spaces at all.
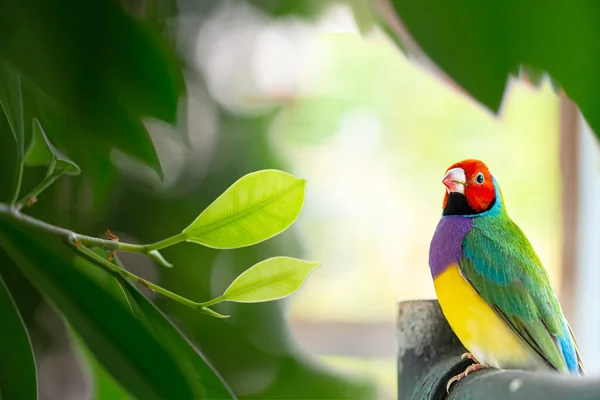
{"x":359,"y":134}
{"x":224,"y":51}
{"x":283,"y":53}
{"x":252,"y":63}
{"x":338,"y":19}
{"x":183,"y":165}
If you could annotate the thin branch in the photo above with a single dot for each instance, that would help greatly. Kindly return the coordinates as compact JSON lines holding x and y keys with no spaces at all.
{"x":118,"y":271}
{"x":110,"y":245}
{"x":79,"y":242}
{"x":31,"y":197}
{"x":114,"y":269}
{"x":48,"y":180}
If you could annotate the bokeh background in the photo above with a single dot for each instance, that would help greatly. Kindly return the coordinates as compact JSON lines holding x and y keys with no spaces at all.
{"x":373,"y":133}
{"x":270,"y":86}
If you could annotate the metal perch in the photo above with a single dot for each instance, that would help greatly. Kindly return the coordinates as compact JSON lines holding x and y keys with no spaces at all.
{"x":429,"y":355}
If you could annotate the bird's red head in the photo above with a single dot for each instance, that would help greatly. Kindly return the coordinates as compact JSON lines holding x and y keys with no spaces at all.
{"x":472,"y":179}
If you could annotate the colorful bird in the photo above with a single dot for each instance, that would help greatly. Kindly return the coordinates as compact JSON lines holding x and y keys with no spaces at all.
{"x":490,"y":283}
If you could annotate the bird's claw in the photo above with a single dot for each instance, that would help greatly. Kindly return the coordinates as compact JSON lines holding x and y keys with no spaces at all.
{"x":470,"y":368}
{"x":469,"y":356}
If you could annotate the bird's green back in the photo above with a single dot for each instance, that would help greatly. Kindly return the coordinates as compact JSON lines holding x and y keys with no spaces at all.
{"x":504,"y":269}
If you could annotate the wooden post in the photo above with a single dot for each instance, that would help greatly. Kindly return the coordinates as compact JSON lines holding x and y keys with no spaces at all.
{"x":429,"y":355}
{"x":569,"y":152}
{"x":428,"y":351}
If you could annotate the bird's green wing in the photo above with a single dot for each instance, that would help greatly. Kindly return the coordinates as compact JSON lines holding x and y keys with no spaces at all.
{"x":577,"y":352}
{"x":502,"y":266}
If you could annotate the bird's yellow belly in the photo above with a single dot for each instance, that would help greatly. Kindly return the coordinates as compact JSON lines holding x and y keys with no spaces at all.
{"x":478,"y":327}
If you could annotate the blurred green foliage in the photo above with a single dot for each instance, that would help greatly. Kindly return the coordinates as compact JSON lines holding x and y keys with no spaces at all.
{"x":260,"y":359}
{"x":91,"y":75}
{"x":306,"y":8}
{"x":78,"y":68}
{"x":478,"y":44}
{"x":96,"y":75}
{"x":15,"y":348}
{"x":135,"y":358}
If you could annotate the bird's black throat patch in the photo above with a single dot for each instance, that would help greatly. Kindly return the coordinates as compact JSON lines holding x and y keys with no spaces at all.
{"x":457,"y":205}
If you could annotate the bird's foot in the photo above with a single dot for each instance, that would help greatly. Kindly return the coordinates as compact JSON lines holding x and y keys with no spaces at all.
{"x":470,"y":368}
{"x":469,"y":356}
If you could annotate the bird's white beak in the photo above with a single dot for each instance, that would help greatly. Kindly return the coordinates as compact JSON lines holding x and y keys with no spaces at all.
{"x":455,"y":180}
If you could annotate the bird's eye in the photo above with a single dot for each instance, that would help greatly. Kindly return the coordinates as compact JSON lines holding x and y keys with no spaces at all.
{"x":480,"y":178}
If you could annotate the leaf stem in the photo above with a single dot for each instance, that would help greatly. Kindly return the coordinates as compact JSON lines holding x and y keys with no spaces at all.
{"x":114,"y":269}
{"x":19,"y":134}
{"x":18,"y":180}
{"x":51,"y":166}
{"x":79,"y":242}
{"x":168,"y":242}
{"x":43,"y":185}
{"x":118,"y":271}
{"x":212,"y":302}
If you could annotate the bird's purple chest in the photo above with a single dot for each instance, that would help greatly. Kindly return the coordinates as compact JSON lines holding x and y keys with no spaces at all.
{"x":446,"y":244}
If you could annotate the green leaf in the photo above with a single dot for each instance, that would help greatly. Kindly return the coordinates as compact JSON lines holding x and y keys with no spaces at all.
{"x":483,"y":78}
{"x":11,"y":100}
{"x":109,"y":70}
{"x":107,"y":281}
{"x":271,"y":279}
{"x":18,"y":104}
{"x":120,"y":342}
{"x":18,"y":379}
{"x":531,"y":75}
{"x":156,"y":256}
{"x":42,"y":152}
{"x":305,"y":8}
{"x":478,"y":44}
{"x":257,"y":207}
{"x":212,"y":313}
{"x":204,"y":381}
{"x":104,"y":386}
{"x":363,"y":15}
{"x":67,"y":130}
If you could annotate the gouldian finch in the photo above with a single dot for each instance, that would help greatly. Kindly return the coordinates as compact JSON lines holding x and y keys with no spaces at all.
{"x":490,"y":283}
